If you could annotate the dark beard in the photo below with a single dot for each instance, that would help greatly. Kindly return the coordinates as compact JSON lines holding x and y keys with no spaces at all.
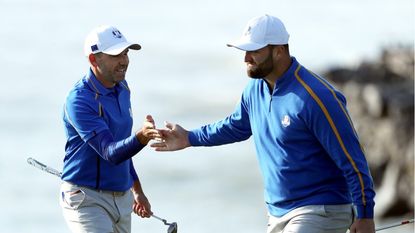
{"x":263,"y":69}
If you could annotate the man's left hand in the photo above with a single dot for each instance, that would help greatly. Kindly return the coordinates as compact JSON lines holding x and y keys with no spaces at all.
{"x":141,"y":206}
{"x":363,"y":225}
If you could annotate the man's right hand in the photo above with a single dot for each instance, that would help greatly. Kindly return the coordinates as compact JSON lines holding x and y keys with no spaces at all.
{"x":174,"y":137}
{"x":148,"y":131}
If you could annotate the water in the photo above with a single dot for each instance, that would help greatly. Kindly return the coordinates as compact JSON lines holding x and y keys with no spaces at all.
{"x":185,"y":74}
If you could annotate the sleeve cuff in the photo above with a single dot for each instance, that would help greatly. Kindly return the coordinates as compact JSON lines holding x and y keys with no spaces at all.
{"x":193,"y":138}
{"x":136,"y":143}
{"x":365,"y":211}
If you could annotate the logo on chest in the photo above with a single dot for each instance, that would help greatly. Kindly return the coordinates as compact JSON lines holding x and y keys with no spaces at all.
{"x":285,"y":121}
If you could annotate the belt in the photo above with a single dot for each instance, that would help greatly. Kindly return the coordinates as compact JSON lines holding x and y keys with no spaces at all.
{"x":113,"y":193}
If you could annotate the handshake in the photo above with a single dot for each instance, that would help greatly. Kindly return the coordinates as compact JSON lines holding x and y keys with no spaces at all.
{"x":172,"y":137}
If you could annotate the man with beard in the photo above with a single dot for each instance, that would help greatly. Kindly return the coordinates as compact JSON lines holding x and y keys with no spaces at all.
{"x":100,"y":187}
{"x":315,"y":173}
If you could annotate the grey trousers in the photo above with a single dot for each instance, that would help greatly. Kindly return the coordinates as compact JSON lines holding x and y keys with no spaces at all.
{"x":313,"y":219}
{"x":92,"y":211}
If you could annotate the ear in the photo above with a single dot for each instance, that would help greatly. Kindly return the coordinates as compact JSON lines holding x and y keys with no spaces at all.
{"x":279,"y":50}
{"x":92,"y":59}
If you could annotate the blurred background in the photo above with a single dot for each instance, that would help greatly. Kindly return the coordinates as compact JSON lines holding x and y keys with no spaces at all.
{"x":186,"y":74}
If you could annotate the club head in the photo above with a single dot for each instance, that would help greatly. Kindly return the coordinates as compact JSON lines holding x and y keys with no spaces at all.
{"x":172,"y":228}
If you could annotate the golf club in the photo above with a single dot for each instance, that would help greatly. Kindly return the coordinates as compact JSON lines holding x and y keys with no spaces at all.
{"x":395,"y":225}
{"x":172,"y":226}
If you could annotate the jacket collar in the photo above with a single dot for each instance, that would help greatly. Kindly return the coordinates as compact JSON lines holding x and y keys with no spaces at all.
{"x":96,"y":85}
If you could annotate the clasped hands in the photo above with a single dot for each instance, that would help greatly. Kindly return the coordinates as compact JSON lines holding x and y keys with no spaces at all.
{"x":173,"y":137}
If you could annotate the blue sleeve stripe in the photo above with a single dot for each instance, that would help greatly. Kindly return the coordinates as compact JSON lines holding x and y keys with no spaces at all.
{"x":333,"y":127}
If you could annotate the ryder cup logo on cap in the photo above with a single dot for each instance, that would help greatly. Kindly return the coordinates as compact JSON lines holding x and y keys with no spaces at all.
{"x":108,"y":40}
{"x":260,"y":32}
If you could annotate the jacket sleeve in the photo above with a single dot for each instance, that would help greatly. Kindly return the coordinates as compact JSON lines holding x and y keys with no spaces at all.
{"x":330,"y":122}
{"x":233,"y":128}
{"x":132,"y":171}
{"x":115,"y":152}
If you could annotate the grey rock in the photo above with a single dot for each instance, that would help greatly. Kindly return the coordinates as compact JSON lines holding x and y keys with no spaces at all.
{"x":380,"y":96}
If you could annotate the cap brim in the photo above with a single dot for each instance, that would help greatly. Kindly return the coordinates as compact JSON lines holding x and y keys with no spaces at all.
{"x":246,"y":45}
{"x":118,"y":48}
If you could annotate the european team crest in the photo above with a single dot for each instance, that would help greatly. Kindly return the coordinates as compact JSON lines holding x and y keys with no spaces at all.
{"x":117,"y":34}
{"x":248,"y":31}
{"x":285,"y":121}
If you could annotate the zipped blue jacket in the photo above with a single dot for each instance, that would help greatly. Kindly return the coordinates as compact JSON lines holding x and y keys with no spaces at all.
{"x":308,"y":150}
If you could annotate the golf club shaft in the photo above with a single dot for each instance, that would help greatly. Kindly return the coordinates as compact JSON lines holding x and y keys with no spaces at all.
{"x":395,"y":225}
{"x":156,"y":217}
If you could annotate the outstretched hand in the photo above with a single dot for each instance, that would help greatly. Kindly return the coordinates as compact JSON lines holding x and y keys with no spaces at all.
{"x":174,"y":137}
{"x":148,"y":131}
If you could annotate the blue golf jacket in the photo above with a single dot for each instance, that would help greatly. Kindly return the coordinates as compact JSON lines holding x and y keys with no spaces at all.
{"x":308,"y":150}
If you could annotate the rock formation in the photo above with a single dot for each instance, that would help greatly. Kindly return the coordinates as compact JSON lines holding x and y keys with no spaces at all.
{"x":380,"y":98}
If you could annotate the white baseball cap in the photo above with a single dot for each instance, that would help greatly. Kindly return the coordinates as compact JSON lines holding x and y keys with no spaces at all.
{"x":260,"y":32}
{"x":107,"y":39}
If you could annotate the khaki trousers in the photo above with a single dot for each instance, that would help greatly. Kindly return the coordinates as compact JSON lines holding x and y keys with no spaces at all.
{"x":313,"y":219}
{"x":88,"y":210}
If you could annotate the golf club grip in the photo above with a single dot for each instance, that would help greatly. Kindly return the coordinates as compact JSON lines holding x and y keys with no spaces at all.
{"x":43,"y":167}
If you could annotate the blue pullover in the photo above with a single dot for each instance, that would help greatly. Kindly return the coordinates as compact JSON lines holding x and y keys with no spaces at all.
{"x":100,"y":145}
{"x":308,"y":150}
